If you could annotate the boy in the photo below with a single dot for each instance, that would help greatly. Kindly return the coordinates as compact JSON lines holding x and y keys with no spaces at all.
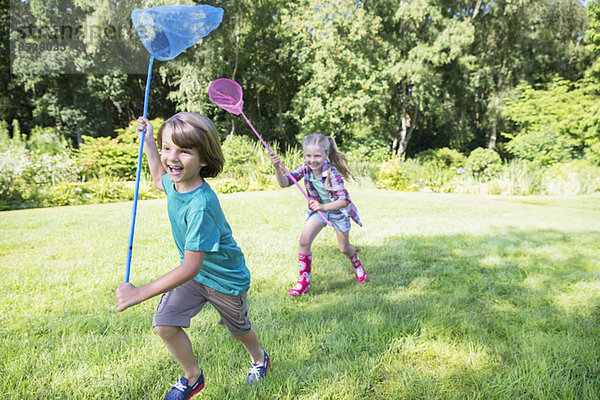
{"x":212,"y":266}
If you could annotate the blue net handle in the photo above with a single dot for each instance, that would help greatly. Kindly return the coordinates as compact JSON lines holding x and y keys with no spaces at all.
{"x":137,"y":176}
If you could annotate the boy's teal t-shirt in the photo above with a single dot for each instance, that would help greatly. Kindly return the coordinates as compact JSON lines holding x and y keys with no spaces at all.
{"x":198,"y":224}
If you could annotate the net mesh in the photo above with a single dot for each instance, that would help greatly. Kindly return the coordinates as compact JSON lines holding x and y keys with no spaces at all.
{"x":166,"y":31}
{"x":227,"y":94}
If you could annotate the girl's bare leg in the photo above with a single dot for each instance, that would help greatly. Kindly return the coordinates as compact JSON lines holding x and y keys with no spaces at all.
{"x":309,"y":233}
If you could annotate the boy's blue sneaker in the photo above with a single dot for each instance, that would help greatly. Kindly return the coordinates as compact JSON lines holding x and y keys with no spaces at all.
{"x":181,"y":390}
{"x":258,"y":371}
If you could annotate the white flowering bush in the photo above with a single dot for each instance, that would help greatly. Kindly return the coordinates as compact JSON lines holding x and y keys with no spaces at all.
{"x":24,"y":175}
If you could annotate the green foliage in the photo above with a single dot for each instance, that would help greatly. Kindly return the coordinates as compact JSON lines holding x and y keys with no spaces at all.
{"x":429,"y":171}
{"x":24,"y":174}
{"x":575,"y":177}
{"x":336,"y":48}
{"x":43,"y":171}
{"x":4,"y":136}
{"x":484,"y":164}
{"x":366,"y":149}
{"x":242,"y":156}
{"x":543,"y":146}
{"x":108,"y":157}
{"x":592,"y":40}
{"x":104,"y":190}
{"x":47,"y":140}
{"x":292,"y":157}
{"x":230,"y":185}
{"x":113,"y":157}
{"x":248,"y":165}
{"x":440,"y":69}
{"x":392,"y":175}
{"x":431,"y":175}
{"x":365,"y":153}
{"x":553,"y":124}
{"x":522,"y":178}
{"x":518,"y":177}
{"x":444,"y":157}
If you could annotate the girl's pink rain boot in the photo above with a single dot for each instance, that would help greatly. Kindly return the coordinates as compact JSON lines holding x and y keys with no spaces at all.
{"x":303,"y":284}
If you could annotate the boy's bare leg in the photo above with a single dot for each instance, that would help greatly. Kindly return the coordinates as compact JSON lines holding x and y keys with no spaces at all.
{"x":179,"y":345}
{"x":252,"y":345}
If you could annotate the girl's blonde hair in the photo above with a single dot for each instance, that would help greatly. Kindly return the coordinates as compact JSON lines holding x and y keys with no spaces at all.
{"x":336,"y":158}
{"x":195,"y":131}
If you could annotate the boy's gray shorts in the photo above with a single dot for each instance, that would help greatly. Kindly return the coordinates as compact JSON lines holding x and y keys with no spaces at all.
{"x":179,"y":305}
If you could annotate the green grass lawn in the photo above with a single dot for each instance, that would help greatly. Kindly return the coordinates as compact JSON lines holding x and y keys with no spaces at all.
{"x":467,"y":297}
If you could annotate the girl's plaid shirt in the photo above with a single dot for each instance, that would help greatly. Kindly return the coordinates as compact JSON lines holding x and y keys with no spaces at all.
{"x":333,"y":183}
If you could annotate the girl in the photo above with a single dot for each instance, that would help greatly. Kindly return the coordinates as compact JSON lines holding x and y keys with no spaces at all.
{"x":322,"y":173}
{"x":212,"y":266}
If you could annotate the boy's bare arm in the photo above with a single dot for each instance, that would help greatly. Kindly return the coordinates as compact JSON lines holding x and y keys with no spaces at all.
{"x":156,"y":168}
{"x":129,"y":295}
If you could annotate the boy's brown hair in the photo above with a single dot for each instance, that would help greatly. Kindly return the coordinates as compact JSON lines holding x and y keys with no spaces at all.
{"x":194,"y":131}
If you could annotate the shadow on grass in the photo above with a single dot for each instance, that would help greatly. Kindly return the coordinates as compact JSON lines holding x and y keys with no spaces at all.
{"x":511,"y":315}
{"x":507,"y":315}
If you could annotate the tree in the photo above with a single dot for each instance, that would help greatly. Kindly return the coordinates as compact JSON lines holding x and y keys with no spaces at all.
{"x":425,"y":46}
{"x":528,"y":40}
{"x":243,"y":48}
{"x":14,"y":103}
{"x":592,"y":40}
{"x":555,"y":123}
{"x":71,"y":58}
{"x":336,"y":49}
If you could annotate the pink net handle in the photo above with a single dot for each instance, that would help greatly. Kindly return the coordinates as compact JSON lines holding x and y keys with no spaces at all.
{"x":227,"y":94}
{"x":285,"y":169}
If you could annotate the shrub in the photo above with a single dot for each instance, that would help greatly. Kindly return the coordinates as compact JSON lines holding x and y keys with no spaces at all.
{"x":522,"y":178}
{"x":543,"y":146}
{"x":248,"y":165}
{"x":484,"y":164}
{"x":5,"y":140}
{"x":365,"y":154}
{"x":106,"y":157}
{"x":240,"y":154}
{"x":392,"y":175}
{"x":113,"y":157}
{"x":229,"y":185}
{"x":444,"y":157}
{"x":367,"y":149}
{"x":518,"y":177}
{"x":430,"y":176}
{"x":97,"y":191}
{"x":24,"y":173}
{"x":575,"y":177}
{"x":291,"y":158}
{"x":47,"y":141}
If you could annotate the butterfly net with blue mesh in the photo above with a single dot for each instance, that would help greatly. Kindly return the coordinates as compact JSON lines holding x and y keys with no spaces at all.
{"x":166,"y":31}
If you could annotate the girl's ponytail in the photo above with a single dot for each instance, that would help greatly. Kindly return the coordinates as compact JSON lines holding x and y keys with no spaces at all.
{"x":339,"y":160}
